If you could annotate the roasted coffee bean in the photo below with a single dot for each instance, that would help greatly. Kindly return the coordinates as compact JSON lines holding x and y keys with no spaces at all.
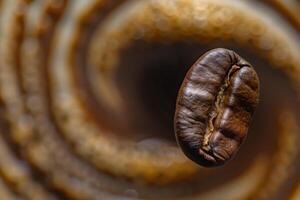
{"x":214,"y":107}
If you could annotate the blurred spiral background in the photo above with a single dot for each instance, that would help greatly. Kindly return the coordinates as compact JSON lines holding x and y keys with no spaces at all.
{"x":88,"y":91}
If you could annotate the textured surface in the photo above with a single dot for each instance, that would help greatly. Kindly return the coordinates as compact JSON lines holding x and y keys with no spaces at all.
{"x":81,"y":80}
{"x":214,"y":107}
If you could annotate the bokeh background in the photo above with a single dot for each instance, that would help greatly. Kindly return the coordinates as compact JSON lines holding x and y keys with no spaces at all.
{"x":88,"y":91}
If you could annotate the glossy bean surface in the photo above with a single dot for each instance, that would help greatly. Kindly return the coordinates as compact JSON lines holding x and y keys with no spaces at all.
{"x":214,"y":107}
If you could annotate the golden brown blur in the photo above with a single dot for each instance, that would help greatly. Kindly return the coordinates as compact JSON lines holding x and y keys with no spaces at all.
{"x":88,"y":91}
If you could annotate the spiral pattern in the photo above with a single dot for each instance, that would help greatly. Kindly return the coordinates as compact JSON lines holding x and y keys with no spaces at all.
{"x":87,"y":95}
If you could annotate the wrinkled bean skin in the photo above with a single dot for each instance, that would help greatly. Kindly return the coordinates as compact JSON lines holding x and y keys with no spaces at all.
{"x":214,"y":107}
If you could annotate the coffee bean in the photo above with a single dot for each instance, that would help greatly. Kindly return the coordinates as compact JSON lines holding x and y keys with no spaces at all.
{"x":214,"y":107}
